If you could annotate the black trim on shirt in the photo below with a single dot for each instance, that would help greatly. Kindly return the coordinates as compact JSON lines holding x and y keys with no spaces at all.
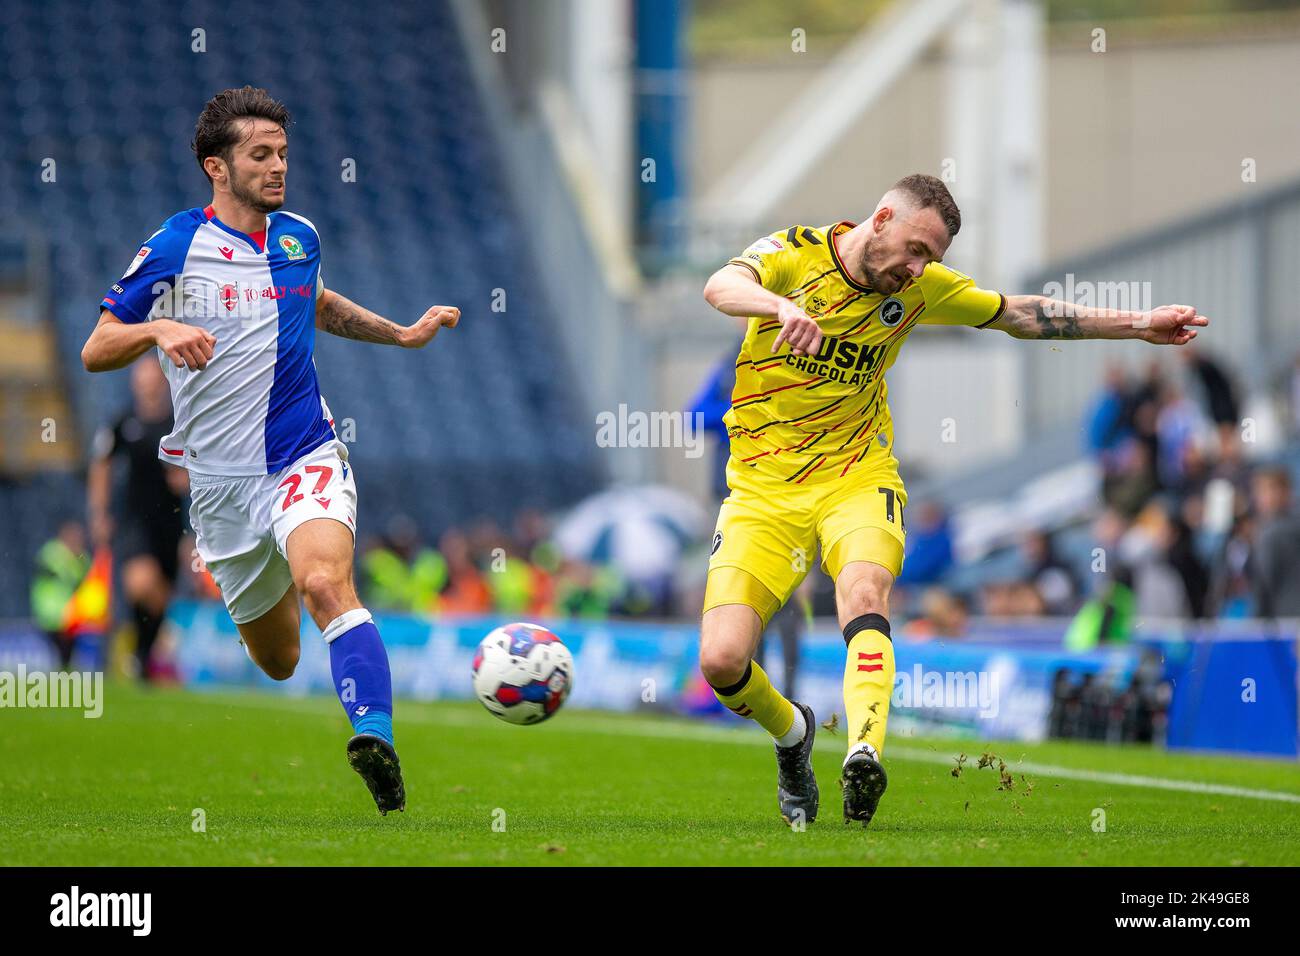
{"x":737,"y":262}
{"x":1002,"y":307}
{"x":835,"y":257}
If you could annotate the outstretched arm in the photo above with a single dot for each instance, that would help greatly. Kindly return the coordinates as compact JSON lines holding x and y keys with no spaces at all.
{"x":343,"y":317}
{"x":1038,"y":317}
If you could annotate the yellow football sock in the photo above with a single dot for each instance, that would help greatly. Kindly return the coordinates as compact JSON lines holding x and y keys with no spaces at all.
{"x":755,"y":698}
{"x":868,"y":681}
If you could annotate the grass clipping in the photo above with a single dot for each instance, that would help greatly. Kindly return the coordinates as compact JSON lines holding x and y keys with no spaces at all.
{"x":1006,"y":780}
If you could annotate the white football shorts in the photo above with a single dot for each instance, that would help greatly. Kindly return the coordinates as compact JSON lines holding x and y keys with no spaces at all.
{"x":241,"y":524}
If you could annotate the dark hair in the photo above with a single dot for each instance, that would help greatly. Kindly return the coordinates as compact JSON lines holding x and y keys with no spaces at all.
{"x":929,"y":192}
{"x":215,"y":134}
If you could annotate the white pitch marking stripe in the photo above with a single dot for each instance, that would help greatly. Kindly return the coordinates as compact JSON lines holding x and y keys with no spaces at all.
{"x":635,"y":727}
{"x":1099,"y":776}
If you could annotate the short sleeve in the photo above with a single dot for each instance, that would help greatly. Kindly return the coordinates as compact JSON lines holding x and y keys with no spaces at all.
{"x":151,"y":274}
{"x":773,"y":262}
{"x":954,"y":299}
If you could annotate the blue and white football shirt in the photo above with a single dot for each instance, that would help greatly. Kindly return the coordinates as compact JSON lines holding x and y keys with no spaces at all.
{"x":257,"y":406}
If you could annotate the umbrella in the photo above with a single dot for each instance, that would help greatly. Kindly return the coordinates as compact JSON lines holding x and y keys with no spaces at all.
{"x":642,"y":530}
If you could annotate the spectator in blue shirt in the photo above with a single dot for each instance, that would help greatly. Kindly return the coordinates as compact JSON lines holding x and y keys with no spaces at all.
{"x":929,"y":545}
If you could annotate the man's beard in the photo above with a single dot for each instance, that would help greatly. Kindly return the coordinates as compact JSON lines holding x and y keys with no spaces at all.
{"x":881,"y":281}
{"x":254,"y":201}
{"x":878,"y":281}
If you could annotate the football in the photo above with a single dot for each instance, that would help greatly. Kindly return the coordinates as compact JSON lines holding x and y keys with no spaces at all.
{"x":522,"y":673}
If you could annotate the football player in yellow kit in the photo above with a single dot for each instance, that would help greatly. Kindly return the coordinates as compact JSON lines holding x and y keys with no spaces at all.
{"x":812,"y":451}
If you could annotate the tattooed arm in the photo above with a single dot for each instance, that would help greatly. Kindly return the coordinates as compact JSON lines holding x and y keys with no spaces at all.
{"x":1037,"y":317}
{"x":344,"y":318}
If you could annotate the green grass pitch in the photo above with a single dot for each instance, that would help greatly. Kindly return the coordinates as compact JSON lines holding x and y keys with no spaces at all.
{"x":270,"y":779}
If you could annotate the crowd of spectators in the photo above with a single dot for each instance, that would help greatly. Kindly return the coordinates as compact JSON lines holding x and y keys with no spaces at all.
{"x":1189,"y":526}
{"x":483,"y":568}
{"x":476,"y":569}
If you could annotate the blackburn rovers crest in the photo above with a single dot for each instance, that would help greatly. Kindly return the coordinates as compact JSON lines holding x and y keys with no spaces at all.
{"x":292,"y":247}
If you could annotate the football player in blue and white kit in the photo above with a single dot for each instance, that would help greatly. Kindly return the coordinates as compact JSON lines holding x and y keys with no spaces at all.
{"x":230,"y":296}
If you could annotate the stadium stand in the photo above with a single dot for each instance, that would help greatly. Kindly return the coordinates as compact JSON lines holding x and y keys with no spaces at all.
{"x":94,"y":155}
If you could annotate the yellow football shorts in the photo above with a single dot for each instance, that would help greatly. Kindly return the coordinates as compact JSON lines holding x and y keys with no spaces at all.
{"x":768,"y":531}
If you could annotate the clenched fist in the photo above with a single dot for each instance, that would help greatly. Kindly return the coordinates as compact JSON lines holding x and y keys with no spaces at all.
{"x":422,"y":332}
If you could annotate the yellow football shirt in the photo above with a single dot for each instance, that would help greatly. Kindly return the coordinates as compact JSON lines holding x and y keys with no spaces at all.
{"x":812,"y":418}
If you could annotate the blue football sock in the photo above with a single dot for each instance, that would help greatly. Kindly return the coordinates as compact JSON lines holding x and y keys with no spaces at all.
{"x":362,"y":680}
{"x":376,"y":723}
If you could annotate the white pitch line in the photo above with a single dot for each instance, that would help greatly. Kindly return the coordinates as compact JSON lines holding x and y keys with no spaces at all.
{"x":668,"y":730}
{"x":1101,"y":776}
